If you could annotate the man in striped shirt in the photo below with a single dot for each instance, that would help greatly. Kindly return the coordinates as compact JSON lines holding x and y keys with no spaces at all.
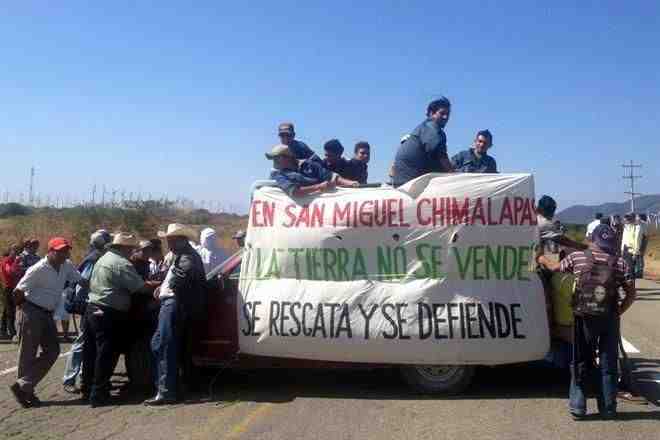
{"x":596,"y":331}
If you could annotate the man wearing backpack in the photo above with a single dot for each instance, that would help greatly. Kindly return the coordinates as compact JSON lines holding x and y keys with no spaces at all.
{"x":600,"y":272}
{"x":76,"y":304}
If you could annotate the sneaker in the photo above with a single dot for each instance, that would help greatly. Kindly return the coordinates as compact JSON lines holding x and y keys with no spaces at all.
{"x":21,"y":396}
{"x":578,"y":415}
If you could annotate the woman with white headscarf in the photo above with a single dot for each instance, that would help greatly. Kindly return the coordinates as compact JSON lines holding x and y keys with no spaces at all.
{"x":211,"y":252}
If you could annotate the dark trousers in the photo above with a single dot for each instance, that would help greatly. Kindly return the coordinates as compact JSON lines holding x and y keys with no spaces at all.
{"x":165,"y":346}
{"x":591,"y":334}
{"x":104,"y":330}
{"x":8,"y":318}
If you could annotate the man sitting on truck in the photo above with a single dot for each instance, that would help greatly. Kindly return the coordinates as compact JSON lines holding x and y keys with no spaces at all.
{"x":600,"y":272}
{"x":476,"y":159}
{"x":334,"y":159}
{"x":299,"y":179}
{"x":359,"y":164}
{"x":300,"y":150}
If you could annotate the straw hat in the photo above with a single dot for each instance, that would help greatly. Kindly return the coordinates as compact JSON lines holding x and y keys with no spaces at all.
{"x":124,"y":239}
{"x":178,"y":230}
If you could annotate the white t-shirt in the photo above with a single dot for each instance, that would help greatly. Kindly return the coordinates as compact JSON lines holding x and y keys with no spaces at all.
{"x":633,"y":235}
{"x":43,"y":285}
{"x":165,"y":290}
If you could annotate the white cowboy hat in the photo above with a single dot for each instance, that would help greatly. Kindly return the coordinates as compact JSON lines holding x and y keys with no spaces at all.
{"x":178,"y":230}
{"x":124,"y":239}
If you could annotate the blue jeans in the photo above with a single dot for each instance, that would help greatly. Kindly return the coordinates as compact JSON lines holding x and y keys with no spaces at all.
{"x":591,"y":333}
{"x":74,"y":362}
{"x":164,"y":346}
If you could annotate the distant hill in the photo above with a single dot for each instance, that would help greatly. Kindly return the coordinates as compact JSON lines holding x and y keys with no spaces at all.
{"x":582,"y":214}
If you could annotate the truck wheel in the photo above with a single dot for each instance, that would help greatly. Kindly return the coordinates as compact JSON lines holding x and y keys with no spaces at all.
{"x":139,"y":363}
{"x":438,"y":379}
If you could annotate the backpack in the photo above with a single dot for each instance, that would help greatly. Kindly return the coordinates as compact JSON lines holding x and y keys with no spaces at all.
{"x":75,"y":298}
{"x":595,"y":289}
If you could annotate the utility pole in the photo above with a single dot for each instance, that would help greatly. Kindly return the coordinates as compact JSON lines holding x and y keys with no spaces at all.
{"x":630,"y":175}
{"x":31,"y":196}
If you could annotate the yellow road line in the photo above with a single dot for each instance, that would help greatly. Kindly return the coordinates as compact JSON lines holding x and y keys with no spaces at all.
{"x":242,"y":427}
{"x":214,"y":424}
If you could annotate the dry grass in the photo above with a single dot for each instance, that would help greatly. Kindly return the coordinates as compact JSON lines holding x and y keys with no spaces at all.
{"x":76,"y":224}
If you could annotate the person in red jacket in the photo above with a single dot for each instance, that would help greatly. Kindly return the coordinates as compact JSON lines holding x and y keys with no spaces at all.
{"x":12,"y":271}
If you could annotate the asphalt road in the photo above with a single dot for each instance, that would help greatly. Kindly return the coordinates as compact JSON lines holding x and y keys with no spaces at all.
{"x":504,"y":403}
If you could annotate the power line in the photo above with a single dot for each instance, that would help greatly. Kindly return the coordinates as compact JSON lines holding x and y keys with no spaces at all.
{"x":631,"y":176}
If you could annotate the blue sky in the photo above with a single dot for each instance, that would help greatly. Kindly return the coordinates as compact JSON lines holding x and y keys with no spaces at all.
{"x":184,"y":99}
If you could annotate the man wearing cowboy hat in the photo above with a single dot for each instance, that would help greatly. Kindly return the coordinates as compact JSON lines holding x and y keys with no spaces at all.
{"x":38,"y":294}
{"x":114,"y":280}
{"x":181,"y":300}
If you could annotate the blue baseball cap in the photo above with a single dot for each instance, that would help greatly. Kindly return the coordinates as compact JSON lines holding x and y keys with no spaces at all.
{"x":605,"y":238}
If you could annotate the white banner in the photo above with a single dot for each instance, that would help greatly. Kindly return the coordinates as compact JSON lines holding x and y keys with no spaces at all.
{"x":434,"y":272}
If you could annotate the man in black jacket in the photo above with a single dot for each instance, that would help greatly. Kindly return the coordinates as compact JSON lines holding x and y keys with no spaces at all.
{"x":182,"y":299}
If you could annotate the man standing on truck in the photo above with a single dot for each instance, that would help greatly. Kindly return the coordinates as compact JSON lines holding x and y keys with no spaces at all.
{"x":425,"y":150}
{"x":300,"y":150}
{"x":182,"y":301}
{"x":299,"y":179}
{"x":476,"y":159}
{"x":600,"y":272}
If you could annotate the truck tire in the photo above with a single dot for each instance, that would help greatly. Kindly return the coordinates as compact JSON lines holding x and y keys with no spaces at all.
{"x":139,"y":363}
{"x":438,"y":379}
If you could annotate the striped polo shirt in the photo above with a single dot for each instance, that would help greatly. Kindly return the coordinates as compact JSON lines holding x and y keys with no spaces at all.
{"x":576,"y":263}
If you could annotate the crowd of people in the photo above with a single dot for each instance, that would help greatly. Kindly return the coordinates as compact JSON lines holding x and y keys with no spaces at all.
{"x":632,"y":237}
{"x":118,"y":268}
{"x":299,"y":171}
{"x":117,"y":271}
